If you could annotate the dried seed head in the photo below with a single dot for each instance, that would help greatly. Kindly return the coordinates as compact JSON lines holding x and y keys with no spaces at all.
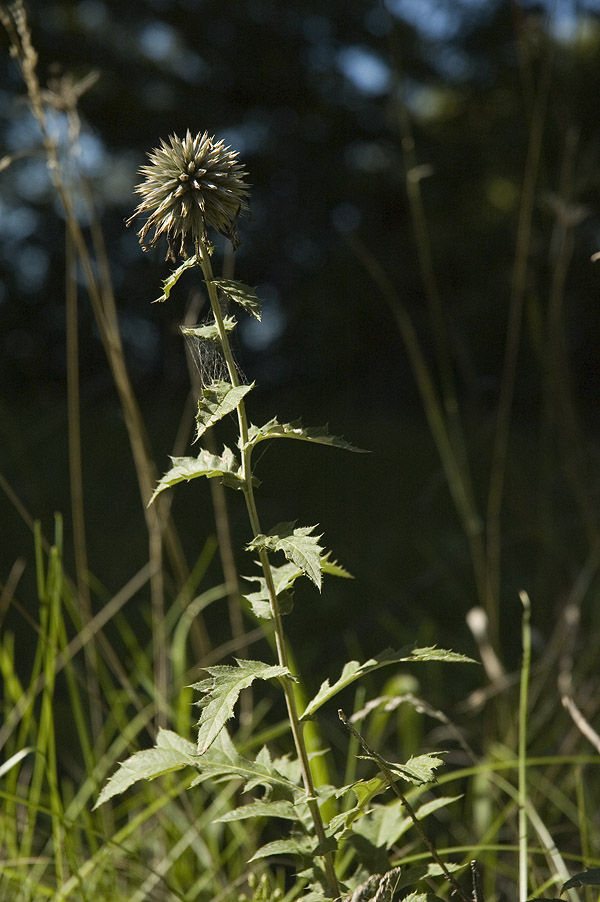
{"x":189,"y":185}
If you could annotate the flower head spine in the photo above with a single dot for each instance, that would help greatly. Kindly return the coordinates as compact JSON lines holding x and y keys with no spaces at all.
{"x":191,"y":184}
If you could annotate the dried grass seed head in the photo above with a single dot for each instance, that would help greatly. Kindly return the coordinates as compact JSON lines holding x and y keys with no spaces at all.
{"x":191,"y":184}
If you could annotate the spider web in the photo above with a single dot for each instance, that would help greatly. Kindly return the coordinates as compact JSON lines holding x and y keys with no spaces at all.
{"x":208,"y":363}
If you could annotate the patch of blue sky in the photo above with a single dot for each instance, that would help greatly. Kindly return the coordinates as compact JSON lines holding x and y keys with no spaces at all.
{"x":445,"y":20}
{"x":258,"y":336}
{"x":91,"y":155}
{"x":434,"y":20}
{"x":32,"y":180}
{"x":17,"y":223}
{"x":162,"y":44}
{"x":364,"y":69}
{"x":22,"y":131}
{"x":158,"y":41}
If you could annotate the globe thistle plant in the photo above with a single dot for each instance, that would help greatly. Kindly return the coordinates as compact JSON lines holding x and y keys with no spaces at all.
{"x":191,"y":184}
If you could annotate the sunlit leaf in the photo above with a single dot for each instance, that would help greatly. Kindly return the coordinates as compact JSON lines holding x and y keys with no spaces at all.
{"x":221,"y":691}
{"x":304,"y":846}
{"x":353,"y":670}
{"x":209,"y":331}
{"x":171,"y":281}
{"x":240,"y":294}
{"x":283,"y":580}
{"x":295,"y":430}
{"x":170,"y":753}
{"x":365,"y":790}
{"x":261,"y":607}
{"x":222,"y":760}
{"x":281,"y":808}
{"x":332,"y":568}
{"x":211,"y":466}
{"x":297,"y":544}
{"x":218,"y":399}
{"x":419,"y":769}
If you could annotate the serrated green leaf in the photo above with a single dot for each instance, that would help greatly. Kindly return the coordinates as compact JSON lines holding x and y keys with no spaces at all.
{"x":313,"y":896}
{"x":222,"y":760}
{"x":365,"y":790}
{"x":295,"y":430}
{"x":240,"y":294}
{"x":353,"y":670}
{"x":281,"y":808}
{"x":261,"y":606}
{"x":297,"y":544}
{"x":432,"y":653}
{"x":167,"y":739}
{"x":332,"y":568}
{"x":283,"y":580}
{"x":221,"y":692}
{"x":172,"y":280}
{"x":289,"y":768}
{"x":209,"y":331}
{"x":225,"y":467}
{"x":171,"y":754}
{"x":418,"y":769}
{"x":304,"y":846}
{"x":415,"y":897}
{"x":591,"y":877}
{"x":218,"y":399}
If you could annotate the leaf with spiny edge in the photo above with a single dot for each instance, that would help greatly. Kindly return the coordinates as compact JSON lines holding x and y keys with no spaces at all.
{"x":305,"y":846}
{"x":332,"y":568}
{"x":184,"y":469}
{"x":170,"y":753}
{"x":298,"y":545}
{"x":171,"y":281}
{"x":221,"y":692}
{"x":353,"y":670}
{"x":284,"y":578}
{"x":217,"y":400}
{"x":418,"y":769}
{"x":295,"y":430}
{"x":209,"y":331}
{"x":260,"y":601}
{"x":222,"y":760}
{"x":240,"y":294}
{"x":282,"y":809}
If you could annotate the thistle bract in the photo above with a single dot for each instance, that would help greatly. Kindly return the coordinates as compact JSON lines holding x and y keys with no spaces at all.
{"x":190,"y":184}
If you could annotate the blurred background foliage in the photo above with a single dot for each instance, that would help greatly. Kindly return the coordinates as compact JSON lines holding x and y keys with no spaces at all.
{"x":323,"y":101}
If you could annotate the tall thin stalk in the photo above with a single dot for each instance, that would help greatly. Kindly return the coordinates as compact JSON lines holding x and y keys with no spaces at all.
{"x":280,"y":637}
{"x":523,"y":713}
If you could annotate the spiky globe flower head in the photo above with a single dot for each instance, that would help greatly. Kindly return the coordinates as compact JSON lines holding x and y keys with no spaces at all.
{"x":189,"y":185}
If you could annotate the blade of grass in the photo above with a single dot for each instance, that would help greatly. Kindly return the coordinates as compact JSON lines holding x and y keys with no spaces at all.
{"x":523,"y":712}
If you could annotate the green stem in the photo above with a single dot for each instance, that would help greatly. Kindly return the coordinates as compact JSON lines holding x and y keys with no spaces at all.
{"x":525,"y":668}
{"x":280,"y":639}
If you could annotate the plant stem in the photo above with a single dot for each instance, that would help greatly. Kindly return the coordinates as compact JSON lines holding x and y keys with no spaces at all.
{"x":280,"y":639}
{"x":391,"y":780}
{"x":525,"y":668}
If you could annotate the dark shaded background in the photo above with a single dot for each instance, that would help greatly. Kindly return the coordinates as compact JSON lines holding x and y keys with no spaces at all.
{"x":311,"y":94}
